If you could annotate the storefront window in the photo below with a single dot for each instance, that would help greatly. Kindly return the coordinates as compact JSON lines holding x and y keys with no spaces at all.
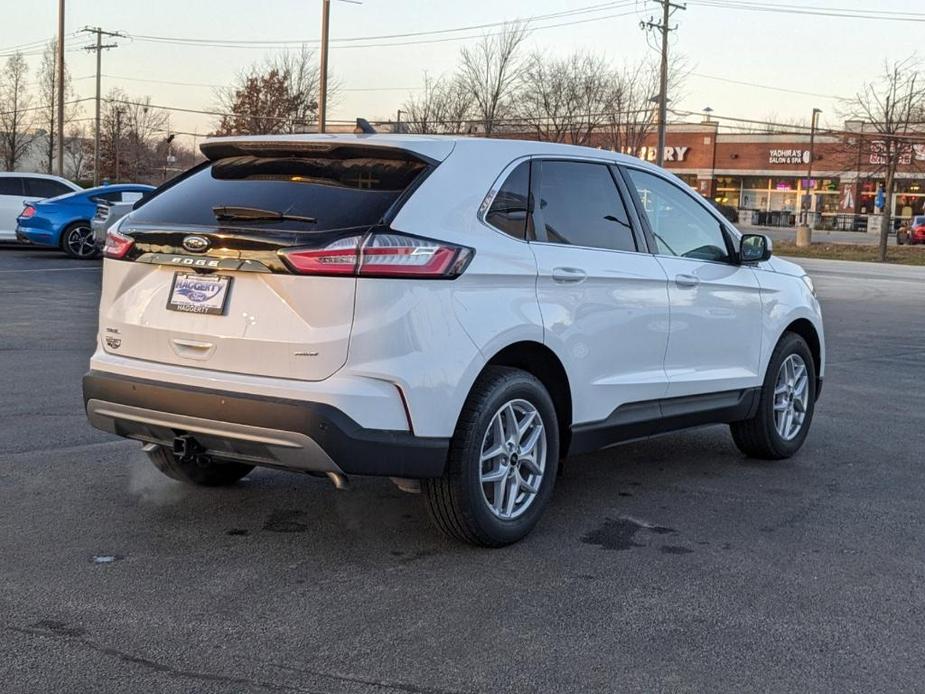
{"x":728,"y":191}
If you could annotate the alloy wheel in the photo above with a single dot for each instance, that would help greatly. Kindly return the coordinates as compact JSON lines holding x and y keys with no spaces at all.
{"x":791,"y":397}
{"x":512,"y":459}
{"x":80,"y":242}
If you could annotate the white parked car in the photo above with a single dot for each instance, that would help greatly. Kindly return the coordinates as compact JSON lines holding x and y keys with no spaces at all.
{"x":18,"y":188}
{"x":457,"y":314}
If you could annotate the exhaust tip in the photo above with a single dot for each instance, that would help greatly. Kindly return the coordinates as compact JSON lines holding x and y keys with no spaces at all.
{"x":339,"y":479}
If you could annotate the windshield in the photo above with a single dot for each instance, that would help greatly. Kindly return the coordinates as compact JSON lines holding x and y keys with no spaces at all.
{"x":304,"y":193}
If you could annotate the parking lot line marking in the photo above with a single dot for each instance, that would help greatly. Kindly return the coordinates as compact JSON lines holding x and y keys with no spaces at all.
{"x":50,"y":269}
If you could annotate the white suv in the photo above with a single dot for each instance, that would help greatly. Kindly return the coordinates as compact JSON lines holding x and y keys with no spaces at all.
{"x":457,"y":314}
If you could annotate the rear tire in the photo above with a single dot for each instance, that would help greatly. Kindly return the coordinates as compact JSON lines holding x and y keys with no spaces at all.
{"x":770,"y":435}
{"x":202,"y":472}
{"x":77,"y":241}
{"x":502,"y":462}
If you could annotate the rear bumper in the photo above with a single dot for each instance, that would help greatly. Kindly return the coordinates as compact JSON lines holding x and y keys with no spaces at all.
{"x":273,"y":432}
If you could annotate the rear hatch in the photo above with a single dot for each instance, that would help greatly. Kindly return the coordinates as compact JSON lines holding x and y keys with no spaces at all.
{"x":202,"y":278}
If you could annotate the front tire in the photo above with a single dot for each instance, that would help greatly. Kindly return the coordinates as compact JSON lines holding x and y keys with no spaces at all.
{"x":502,"y":463}
{"x":786,"y":405}
{"x":202,"y":472}
{"x":77,"y":242}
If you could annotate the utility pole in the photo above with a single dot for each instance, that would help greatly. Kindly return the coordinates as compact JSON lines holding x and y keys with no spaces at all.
{"x":323,"y":85}
{"x":99,"y":46}
{"x":60,"y":71}
{"x":664,"y":29}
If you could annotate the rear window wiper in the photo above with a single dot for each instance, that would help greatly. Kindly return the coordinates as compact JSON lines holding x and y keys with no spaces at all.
{"x":230,"y":212}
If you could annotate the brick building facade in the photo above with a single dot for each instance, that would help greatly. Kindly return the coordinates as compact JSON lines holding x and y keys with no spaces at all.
{"x":766,"y":176}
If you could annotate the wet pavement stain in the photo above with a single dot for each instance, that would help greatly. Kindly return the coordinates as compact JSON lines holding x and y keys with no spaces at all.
{"x":58,"y":628}
{"x":674,"y":549}
{"x":617,"y":534}
{"x":285,"y":522}
{"x":236,"y":532}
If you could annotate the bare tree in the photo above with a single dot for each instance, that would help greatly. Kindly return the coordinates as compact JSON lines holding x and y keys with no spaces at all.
{"x":630,"y":111}
{"x":16,"y":114}
{"x":631,"y":107}
{"x":144,"y":128}
{"x":442,"y":107}
{"x":130,"y":132}
{"x":273,"y":97}
{"x":78,"y":153}
{"x":491,"y":71}
{"x":47,"y":78}
{"x":564,"y":99}
{"x":891,"y":105}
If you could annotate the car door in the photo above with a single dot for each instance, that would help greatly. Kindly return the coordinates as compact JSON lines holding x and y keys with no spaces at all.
{"x":714,"y":343}
{"x":603,"y":300}
{"x":11,"y":204}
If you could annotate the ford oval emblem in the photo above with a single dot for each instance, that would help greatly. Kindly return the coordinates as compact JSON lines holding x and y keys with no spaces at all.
{"x":196,"y":244}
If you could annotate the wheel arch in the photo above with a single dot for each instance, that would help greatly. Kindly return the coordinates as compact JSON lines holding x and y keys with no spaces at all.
{"x":805,"y":329}
{"x":540,"y":361}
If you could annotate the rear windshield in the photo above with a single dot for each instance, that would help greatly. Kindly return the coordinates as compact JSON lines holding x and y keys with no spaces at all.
{"x":336,"y":193}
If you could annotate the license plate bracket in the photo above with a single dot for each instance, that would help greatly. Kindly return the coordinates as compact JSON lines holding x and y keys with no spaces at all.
{"x":201,"y":294}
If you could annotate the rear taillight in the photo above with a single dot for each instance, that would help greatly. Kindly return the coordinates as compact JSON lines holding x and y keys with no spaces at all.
{"x":27,"y":211}
{"x":117,"y":245}
{"x":382,"y":255}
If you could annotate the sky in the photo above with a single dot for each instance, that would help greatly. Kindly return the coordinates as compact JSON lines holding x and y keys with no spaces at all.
{"x":735,"y":54}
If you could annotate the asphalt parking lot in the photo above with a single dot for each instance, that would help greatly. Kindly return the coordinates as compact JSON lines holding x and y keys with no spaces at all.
{"x":666,"y":565}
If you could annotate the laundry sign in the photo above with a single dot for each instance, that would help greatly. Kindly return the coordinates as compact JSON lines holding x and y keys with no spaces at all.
{"x":648,"y":153}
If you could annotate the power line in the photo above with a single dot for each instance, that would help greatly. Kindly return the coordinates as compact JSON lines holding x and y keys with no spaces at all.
{"x":348,"y":39}
{"x":468,"y":37}
{"x":764,"y":86}
{"x":814,"y":10}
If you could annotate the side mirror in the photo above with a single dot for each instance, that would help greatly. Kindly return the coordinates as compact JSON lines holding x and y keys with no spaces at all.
{"x":755,"y":248}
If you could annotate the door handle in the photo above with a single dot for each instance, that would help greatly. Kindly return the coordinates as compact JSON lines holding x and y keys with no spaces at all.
{"x":686,"y":280}
{"x":569,"y":275}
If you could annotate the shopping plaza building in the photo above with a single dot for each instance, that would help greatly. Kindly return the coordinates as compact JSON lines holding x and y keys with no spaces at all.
{"x":767,"y":176}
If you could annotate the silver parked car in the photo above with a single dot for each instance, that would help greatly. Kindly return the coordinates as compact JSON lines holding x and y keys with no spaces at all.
{"x":107,"y":215}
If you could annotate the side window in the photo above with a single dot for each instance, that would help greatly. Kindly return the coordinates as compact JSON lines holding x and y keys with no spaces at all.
{"x":131,"y":195}
{"x":681,"y":226}
{"x":45,"y":188}
{"x":110,"y":197}
{"x":510,"y":210}
{"x":581,"y":206}
{"x":11,"y":185}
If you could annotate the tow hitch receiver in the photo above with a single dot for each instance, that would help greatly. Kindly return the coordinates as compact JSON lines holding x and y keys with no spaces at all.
{"x":186,"y":448}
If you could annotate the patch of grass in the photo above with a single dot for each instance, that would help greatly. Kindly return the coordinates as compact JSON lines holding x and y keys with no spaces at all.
{"x":900,"y":255}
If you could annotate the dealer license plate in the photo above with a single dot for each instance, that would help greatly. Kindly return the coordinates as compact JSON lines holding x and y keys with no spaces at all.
{"x":192,"y":293}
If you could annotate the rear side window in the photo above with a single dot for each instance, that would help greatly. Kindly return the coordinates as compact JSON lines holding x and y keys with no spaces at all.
{"x":11,"y":185}
{"x":338,"y":193}
{"x":510,"y":210}
{"x":581,"y":206}
{"x":45,"y":188}
{"x":110,"y":197}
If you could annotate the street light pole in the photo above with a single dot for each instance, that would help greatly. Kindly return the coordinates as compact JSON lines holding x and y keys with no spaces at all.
{"x":323,"y":85}
{"x":809,"y":174}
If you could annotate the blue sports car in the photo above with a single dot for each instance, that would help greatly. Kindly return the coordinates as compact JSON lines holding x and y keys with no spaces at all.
{"x":64,"y":221}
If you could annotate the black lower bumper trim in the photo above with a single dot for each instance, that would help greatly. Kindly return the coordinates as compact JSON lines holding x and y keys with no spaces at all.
{"x":355,"y":449}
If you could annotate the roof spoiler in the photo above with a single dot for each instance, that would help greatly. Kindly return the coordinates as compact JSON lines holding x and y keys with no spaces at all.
{"x":213,"y":150}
